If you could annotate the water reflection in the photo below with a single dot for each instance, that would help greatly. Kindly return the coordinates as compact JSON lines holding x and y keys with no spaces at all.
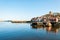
{"x":54,"y":28}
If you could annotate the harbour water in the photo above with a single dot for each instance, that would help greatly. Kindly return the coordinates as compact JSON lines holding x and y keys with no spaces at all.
{"x":24,"y":31}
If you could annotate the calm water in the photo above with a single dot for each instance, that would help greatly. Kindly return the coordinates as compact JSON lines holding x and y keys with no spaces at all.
{"x":23,"y":31}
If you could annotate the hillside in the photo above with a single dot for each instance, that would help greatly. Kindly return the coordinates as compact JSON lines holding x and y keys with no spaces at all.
{"x":55,"y":14}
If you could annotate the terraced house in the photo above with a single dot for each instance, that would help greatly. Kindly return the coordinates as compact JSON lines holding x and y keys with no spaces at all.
{"x":47,"y":16}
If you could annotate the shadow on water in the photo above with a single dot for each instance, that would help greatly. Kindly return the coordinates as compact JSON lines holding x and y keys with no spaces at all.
{"x":53,"y":28}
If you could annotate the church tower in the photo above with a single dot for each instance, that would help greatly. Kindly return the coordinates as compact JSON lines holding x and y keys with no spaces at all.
{"x":50,"y":13}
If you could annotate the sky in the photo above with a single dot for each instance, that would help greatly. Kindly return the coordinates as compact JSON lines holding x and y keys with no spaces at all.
{"x":27,"y":9}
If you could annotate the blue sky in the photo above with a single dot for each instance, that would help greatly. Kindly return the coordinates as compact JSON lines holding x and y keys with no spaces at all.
{"x":26,"y":9}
